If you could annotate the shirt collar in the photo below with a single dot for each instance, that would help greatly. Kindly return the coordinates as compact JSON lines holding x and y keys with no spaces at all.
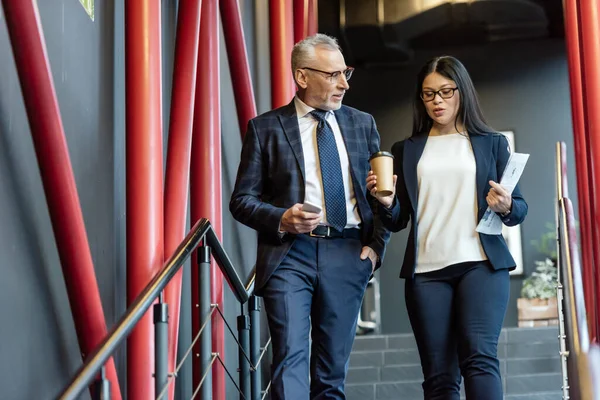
{"x":303,"y":109}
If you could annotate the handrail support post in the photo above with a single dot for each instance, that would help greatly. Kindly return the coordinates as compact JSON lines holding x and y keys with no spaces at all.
{"x":243,"y":325}
{"x":102,"y":386}
{"x":205,"y":308}
{"x":255,"y":350}
{"x":161,"y":345}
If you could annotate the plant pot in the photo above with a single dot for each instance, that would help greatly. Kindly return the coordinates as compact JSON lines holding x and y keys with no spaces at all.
{"x":537,"y":312}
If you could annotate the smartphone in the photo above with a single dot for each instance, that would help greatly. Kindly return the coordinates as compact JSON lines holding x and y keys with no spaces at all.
{"x":310,"y":207}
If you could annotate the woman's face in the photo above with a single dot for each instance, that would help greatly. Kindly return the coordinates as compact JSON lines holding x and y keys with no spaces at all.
{"x":441,"y":99}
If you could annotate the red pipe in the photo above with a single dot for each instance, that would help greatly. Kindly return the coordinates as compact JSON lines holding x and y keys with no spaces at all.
{"x":313,"y":17}
{"x":581,"y":161}
{"x":206,"y":178}
{"x":300,"y":19}
{"x":144,"y":179}
{"x":238,"y":62}
{"x":589,"y":17}
{"x":33,"y":67}
{"x":282,"y":41}
{"x":178,"y":156}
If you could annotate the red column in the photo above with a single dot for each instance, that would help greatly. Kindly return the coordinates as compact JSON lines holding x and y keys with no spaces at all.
{"x":282,"y":41}
{"x":33,"y":67}
{"x":178,"y":156}
{"x":238,"y":63}
{"x":144,"y":179}
{"x":581,"y":160}
{"x":589,"y":17}
{"x":313,"y":17}
{"x":206,"y":176}
{"x":300,"y":19}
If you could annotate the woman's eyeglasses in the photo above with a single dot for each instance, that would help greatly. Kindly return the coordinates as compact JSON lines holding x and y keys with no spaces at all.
{"x":445,"y":93}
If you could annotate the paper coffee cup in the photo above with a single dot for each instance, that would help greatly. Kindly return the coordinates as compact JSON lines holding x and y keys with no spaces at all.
{"x":382,"y":164}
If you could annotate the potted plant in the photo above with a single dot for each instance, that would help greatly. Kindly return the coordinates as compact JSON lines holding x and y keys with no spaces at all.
{"x":537,"y":304}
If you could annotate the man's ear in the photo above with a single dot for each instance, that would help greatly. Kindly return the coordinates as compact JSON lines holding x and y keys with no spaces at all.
{"x":301,"y":79}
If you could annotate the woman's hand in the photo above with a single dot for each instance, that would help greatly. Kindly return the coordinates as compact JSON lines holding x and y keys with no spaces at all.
{"x":498,"y":199}
{"x":387,"y":201}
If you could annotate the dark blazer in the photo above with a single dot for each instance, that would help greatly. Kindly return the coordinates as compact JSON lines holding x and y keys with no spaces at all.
{"x":270,"y":180}
{"x":491,"y":156}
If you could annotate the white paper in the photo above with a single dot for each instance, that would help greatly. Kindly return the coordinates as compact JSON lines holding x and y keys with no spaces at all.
{"x":490,"y":223}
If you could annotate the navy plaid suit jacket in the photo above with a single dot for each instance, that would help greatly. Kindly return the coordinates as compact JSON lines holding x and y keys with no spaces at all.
{"x":270,"y":180}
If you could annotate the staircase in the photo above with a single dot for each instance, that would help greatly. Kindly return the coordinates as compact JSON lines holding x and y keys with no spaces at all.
{"x":388,"y":368}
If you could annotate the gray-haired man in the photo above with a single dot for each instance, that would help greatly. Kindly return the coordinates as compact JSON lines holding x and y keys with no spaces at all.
{"x":312,"y":268}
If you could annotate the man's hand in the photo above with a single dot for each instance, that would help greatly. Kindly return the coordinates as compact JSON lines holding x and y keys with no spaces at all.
{"x":296,"y":221}
{"x":498,"y":199}
{"x":387,"y":201}
{"x":369,"y":252}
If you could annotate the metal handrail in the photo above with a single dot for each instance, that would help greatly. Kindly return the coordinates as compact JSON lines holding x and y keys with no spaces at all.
{"x":249,"y":286}
{"x":201,"y":230}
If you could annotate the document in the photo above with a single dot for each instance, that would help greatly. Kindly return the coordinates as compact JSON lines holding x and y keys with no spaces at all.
{"x":490,"y":223}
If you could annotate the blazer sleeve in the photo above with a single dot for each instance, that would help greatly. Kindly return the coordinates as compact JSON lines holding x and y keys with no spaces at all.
{"x":246,"y":204}
{"x":380,"y":234}
{"x":519,"y":207}
{"x":397,"y":216}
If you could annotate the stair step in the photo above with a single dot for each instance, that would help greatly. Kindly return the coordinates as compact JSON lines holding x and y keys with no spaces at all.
{"x":531,"y":335}
{"x":366,"y":359}
{"x":528,"y":350}
{"x":534,"y":383}
{"x":394,"y":373}
{"x":360,"y":391}
{"x":508,"y":336}
{"x":413,"y":390}
{"x":401,"y":357}
{"x":363,"y":375}
{"x":399,"y":373}
{"x":370,"y":343}
{"x":402,"y":342}
{"x":526,"y":366}
{"x":557,"y":395}
{"x":545,"y":360}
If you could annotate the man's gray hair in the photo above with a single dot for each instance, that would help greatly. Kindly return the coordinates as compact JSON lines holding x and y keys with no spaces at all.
{"x":304,"y":51}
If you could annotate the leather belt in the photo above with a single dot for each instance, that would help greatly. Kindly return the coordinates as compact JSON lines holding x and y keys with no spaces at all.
{"x":327,"y":232}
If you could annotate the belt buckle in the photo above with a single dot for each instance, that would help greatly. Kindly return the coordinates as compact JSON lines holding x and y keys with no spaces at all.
{"x":321,"y":236}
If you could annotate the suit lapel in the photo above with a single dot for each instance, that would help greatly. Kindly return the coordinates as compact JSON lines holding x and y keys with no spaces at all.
{"x":413,"y":149}
{"x":289,"y":121}
{"x":482,"y":150}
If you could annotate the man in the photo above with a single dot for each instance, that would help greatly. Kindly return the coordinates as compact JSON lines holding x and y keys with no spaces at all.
{"x":312,"y":268}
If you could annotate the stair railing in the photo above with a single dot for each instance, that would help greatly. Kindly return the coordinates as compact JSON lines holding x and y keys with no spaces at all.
{"x":203,"y":238}
{"x":580,"y":359}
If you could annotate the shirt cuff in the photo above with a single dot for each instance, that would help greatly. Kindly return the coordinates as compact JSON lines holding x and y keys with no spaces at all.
{"x":280,"y":232}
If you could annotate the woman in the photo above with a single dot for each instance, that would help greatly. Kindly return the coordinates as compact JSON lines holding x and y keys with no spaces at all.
{"x":457,"y":281}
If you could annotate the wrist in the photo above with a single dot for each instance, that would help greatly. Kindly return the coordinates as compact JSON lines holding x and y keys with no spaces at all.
{"x":507,"y":212}
{"x":389,"y":205}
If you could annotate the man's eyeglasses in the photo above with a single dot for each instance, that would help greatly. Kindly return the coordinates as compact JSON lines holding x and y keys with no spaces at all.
{"x":333,"y":76}
{"x":446,"y":93}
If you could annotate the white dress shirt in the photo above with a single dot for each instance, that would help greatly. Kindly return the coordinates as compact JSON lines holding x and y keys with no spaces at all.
{"x":312,"y":169}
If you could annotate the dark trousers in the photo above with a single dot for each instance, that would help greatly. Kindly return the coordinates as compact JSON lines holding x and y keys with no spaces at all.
{"x":456,"y":314}
{"x":317,"y":290}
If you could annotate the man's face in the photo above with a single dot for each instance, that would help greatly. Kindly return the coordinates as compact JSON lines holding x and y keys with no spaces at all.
{"x":319,"y":89}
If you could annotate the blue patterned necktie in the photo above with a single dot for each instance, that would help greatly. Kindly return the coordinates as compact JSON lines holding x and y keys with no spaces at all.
{"x":331,"y":173}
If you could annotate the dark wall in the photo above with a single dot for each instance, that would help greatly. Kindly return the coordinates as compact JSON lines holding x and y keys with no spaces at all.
{"x":523,"y":87}
{"x":37,"y":331}
{"x":88,"y":60}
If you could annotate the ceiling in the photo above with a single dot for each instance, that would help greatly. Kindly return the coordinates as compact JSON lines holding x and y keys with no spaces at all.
{"x":375,"y":32}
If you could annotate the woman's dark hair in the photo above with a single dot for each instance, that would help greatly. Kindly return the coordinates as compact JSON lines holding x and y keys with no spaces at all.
{"x":469,"y":111}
